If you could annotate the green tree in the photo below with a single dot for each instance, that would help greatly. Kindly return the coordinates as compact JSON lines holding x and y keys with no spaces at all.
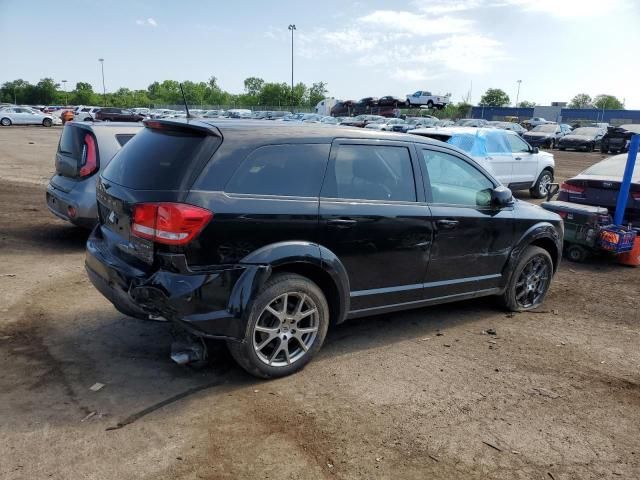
{"x":317,"y":92}
{"x":582,"y":100}
{"x":15,"y":91}
{"x":494,"y":97}
{"x":83,"y":94}
{"x":45,"y":91}
{"x":253,"y":86}
{"x":274,"y":94}
{"x":526,"y":104}
{"x":607,"y":102}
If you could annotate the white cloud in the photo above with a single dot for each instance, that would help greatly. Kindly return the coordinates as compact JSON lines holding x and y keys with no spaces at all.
{"x":414,"y":23}
{"x":571,"y":8}
{"x":149,"y":22}
{"x":446,"y":6}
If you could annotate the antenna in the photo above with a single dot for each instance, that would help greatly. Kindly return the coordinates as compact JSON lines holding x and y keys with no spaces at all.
{"x":185,"y":101}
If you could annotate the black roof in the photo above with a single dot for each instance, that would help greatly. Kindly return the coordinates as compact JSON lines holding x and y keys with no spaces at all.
{"x":267,"y":130}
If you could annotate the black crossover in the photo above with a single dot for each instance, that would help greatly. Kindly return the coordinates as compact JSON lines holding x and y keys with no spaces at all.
{"x":264,"y":235}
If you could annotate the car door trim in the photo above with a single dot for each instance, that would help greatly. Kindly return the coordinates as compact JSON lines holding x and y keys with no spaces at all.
{"x":415,"y":286}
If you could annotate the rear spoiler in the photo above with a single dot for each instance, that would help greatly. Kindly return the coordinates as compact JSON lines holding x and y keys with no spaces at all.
{"x":187,"y":126}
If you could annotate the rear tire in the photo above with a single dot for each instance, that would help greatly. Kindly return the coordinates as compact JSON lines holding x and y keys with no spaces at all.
{"x":541,"y":187}
{"x":429,"y":104}
{"x":530,"y":280}
{"x":287,"y":304}
{"x":5,"y":122}
{"x":47,"y":122}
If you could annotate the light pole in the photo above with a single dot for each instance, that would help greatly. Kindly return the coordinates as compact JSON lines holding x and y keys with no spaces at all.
{"x":64,"y":87}
{"x":518,"y":94}
{"x":104,"y":89}
{"x":292,"y":28}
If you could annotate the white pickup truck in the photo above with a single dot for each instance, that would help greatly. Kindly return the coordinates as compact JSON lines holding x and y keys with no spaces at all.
{"x":423,"y":97}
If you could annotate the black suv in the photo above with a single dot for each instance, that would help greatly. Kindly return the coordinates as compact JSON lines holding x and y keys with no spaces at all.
{"x":264,"y":234}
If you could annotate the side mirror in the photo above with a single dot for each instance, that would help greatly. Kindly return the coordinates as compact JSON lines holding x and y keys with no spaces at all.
{"x":535,"y":150}
{"x":501,"y":196}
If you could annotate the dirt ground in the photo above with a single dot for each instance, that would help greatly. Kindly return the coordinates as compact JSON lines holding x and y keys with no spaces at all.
{"x":418,"y":395}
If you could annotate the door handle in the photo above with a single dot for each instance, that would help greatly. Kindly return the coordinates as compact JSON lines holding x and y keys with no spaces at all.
{"x":341,"y":222}
{"x":447,"y":224}
{"x":518,"y":158}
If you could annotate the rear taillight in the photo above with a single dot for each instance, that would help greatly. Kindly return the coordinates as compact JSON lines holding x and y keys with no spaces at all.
{"x":568,"y":188}
{"x":169,"y":223}
{"x":89,"y":156}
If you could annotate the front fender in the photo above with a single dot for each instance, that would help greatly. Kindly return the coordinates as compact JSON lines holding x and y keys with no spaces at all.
{"x":537,"y":232}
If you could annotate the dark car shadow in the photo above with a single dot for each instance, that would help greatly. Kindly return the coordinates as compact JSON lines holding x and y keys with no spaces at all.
{"x":60,"y":358}
{"x":54,"y":235}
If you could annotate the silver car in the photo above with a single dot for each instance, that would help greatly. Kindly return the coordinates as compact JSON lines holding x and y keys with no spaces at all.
{"x":26,"y":116}
{"x":83,"y":151}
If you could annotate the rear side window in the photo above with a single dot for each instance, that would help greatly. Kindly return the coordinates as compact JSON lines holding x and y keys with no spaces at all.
{"x":72,"y":141}
{"x":285,"y":170}
{"x":157,"y":159}
{"x":123,"y":138}
{"x":369,"y":172}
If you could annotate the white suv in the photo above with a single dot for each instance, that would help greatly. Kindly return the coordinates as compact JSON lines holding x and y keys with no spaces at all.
{"x":504,"y":153}
{"x":83,"y":113}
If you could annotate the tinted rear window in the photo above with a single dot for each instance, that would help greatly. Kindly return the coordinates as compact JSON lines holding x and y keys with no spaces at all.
{"x":287,"y":170}
{"x":156,"y":160}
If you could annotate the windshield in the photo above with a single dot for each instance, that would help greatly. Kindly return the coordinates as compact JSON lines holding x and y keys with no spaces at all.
{"x":586,"y":131}
{"x":545,"y":128}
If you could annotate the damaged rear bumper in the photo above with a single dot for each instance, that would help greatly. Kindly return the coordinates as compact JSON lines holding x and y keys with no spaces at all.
{"x":211,"y":303}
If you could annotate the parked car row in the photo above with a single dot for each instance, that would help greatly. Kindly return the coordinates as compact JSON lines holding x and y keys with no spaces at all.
{"x":386,"y":106}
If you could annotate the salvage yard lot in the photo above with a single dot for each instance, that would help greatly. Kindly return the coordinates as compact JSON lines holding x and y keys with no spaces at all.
{"x":421,"y":394}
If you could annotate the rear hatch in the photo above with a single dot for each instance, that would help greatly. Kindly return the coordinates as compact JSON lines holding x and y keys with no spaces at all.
{"x":158,"y":166}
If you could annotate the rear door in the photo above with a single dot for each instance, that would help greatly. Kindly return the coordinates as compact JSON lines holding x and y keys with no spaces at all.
{"x":525,"y":162}
{"x":375,"y":220}
{"x":498,"y":160}
{"x":472,"y":239}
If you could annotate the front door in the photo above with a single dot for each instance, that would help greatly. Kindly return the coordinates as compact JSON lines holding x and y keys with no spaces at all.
{"x":472,"y":239}
{"x":375,"y":220}
{"x":525,"y":162}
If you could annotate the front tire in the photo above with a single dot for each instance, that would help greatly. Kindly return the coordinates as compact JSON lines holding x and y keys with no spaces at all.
{"x":47,"y":122}
{"x":5,"y":122}
{"x":530,"y":280}
{"x":541,"y":187}
{"x":288,"y":322}
{"x":429,"y":104}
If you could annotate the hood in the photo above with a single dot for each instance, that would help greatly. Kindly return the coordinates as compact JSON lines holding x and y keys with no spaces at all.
{"x":581,"y":138}
{"x":538,"y":134}
{"x":531,"y":210}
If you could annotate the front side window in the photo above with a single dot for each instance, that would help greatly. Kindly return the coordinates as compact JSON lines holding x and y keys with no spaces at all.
{"x":283,"y":170}
{"x":453,"y":181}
{"x":369,"y":172}
{"x":517,"y":145}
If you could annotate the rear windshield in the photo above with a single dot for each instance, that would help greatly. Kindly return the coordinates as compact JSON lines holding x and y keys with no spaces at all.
{"x":155,"y":159}
{"x":612,"y":167}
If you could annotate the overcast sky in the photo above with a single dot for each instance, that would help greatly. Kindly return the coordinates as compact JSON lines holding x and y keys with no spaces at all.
{"x":361,"y":48}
